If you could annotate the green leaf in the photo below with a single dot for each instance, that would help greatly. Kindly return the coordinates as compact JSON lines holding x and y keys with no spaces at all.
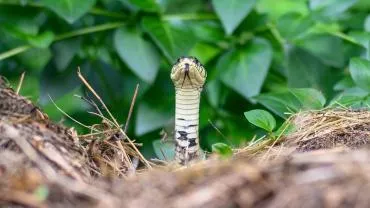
{"x":294,"y":25}
{"x":174,"y":41}
{"x":164,"y":150}
{"x":70,"y":10}
{"x":204,"y":52}
{"x":213,"y":89}
{"x":208,"y":31}
{"x":35,"y":59}
{"x":42,"y":40}
{"x":150,"y":118}
{"x":283,"y":7}
{"x":25,"y":19}
{"x":331,"y":8}
{"x":182,"y":6}
{"x":64,"y":51}
{"x":306,"y":70}
{"x":360,"y":72}
{"x":232,"y":12}
{"x":146,"y":5}
{"x":353,"y":97}
{"x":261,"y":118}
{"x":245,"y":69}
{"x":139,"y":54}
{"x":344,"y":83}
{"x":367,"y":24}
{"x":309,"y":98}
{"x":322,"y":46}
{"x":363,"y":38}
{"x":292,"y":100}
{"x":222,"y":149}
{"x":285,"y":129}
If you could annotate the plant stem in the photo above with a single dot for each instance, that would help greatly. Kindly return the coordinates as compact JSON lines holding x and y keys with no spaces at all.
{"x":102,"y":12}
{"x":93,"y":11}
{"x":14,"y":51}
{"x":189,"y":16}
{"x":276,"y":34}
{"x":89,"y":30}
{"x":83,"y":31}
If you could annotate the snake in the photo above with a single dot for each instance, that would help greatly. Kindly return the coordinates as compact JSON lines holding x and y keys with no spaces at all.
{"x":188,"y":76}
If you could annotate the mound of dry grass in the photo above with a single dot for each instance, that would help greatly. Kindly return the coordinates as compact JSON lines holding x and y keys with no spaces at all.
{"x":324,"y":162}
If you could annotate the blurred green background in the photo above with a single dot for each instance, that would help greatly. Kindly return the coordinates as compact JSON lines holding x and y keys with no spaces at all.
{"x":278,"y":55}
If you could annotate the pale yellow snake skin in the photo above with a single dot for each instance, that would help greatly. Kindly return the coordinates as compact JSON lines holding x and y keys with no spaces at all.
{"x":188,"y":76}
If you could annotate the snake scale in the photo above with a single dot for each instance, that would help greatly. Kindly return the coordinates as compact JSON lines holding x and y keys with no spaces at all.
{"x":188,"y":76}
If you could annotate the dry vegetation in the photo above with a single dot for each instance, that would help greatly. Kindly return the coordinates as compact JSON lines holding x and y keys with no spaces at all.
{"x":325,"y":162}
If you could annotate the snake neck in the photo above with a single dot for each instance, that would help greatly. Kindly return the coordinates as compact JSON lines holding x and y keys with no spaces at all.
{"x":187,"y":124}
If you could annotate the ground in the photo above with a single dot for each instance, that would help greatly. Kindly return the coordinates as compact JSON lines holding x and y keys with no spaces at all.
{"x":324,"y":162}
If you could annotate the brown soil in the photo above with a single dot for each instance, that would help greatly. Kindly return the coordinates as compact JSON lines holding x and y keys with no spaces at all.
{"x":325,"y":162}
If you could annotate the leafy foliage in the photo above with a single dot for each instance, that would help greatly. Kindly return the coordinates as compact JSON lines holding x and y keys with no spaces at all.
{"x":222,"y":150}
{"x":295,"y":55}
{"x":262,"y":119}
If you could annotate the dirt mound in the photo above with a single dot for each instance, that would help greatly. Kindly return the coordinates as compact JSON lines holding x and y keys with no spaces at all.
{"x":325,"y":162}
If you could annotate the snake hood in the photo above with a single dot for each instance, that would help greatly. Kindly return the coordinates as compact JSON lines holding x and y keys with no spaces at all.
{"x":188,"y":72}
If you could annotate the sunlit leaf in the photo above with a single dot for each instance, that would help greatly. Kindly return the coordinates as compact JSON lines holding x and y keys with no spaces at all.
{"x":70,"y":10}
{"x":42,"y":40}
{"x":244,"y":70}
{"x":283,"y":7}
{"x":223,"y":150}
{"x":330,"y":8}
{"x":354,"y":97}
{"x":232,"y":12}
{"x":139,"y":54}
{"x":146,"y":5}
{"x":292,"y":100}
{"x":261,"y":118}
{"x":294,"y":25}
{"x":174,"y":41}
{"x":360,"y":72}
{"x":367,"y":24}
{"x":204,"y":52}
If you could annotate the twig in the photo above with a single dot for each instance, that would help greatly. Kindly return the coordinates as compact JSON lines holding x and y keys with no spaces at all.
{"x":134,"y":160}
{"x":91,"y":102}
{"x":116,"y":123}
{"x":20,"y":83}
{"x":102,"y":117}
{"x":275,"y":141}
{"x":127,"y":159}
{"x":131,"y":108}
{"x":218,"y":130}
{"x":70,"y":117}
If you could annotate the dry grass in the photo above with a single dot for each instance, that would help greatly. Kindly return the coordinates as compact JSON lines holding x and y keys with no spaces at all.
{"x":324,"y":162}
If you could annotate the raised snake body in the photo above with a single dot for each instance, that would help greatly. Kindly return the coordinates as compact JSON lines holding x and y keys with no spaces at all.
{"x":188,"y":76}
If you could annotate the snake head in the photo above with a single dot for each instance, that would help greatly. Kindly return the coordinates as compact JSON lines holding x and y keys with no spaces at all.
{"x":188,"y":72}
